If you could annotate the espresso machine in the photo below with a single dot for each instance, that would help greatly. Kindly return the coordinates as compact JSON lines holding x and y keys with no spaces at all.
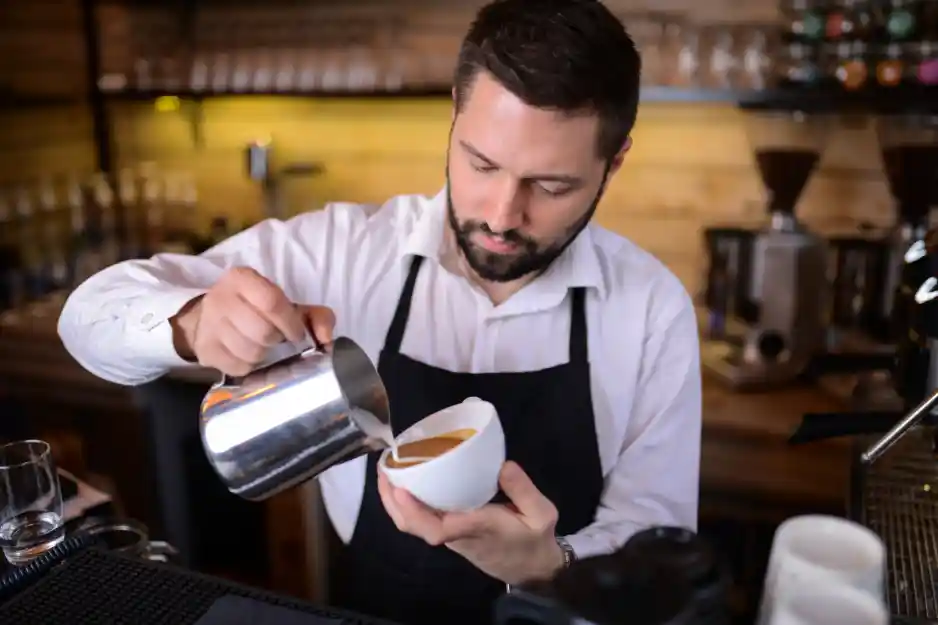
{"x":915,"y":372}
{"x":766,"y":289}
{"x":869,"y":270}
{"x":661,"y":576}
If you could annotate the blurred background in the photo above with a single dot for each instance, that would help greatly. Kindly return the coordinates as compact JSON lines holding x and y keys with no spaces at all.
{"x":784,"y":160}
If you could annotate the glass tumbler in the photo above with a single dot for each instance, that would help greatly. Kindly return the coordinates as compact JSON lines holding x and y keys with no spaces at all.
{"x":30,"y":501}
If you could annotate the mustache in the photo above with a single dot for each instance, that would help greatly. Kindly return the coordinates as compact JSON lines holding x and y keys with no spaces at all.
{"x":511,"y":236}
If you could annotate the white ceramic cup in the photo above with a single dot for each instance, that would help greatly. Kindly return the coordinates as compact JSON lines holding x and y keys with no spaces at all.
{"x":814,"y":550}
{"x":463,"y":478}
{"x":828,"y":604}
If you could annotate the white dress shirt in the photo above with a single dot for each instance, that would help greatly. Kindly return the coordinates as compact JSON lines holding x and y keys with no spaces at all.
{"x":642,"y":336}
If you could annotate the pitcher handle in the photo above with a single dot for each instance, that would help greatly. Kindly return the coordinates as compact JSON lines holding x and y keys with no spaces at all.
{"x":314,"y":347}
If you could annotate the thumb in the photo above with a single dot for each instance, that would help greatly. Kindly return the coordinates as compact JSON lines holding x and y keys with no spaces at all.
{"x":321,"y":322}
{"x":531,"y":504}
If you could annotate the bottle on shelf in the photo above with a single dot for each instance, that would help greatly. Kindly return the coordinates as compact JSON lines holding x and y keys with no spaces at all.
{"x":29,"y":242}
{"x":891,"y":66}
{"x":852,"y":69}
{"x":128,"y":204}
{"x":901,"y":20}
{"x":80,"y":257}
{"x":152,"y":211}
{"x":926,"y":70}
{"x":53,"y":233}
{"x":11,"y":291}
{"x":805,"y":20}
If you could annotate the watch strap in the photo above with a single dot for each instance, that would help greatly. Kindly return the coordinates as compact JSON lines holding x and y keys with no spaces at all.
{"x":569,"y":555}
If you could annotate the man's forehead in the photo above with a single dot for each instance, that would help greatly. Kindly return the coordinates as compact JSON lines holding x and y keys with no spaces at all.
{"x":500,"y":125}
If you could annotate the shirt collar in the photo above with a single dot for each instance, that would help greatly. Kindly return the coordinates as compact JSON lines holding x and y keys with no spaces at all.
{"x":578,"y":266}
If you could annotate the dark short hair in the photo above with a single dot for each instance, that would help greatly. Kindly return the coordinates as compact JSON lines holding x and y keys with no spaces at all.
{"x":565,"y":55}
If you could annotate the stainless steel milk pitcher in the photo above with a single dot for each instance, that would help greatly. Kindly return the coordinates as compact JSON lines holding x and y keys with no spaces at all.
{"x":291,"y":420}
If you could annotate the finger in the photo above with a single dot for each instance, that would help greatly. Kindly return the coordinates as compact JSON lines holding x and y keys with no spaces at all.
{"x":386,"y":491}
{"x":420,"y":520}
{"x":536,"y":510}
{"x":252,"y":324}
{"x":462,"y":525}
{"x":237,"y":344}
{"x":222,"y":359}
{"x":267,"y":298}
{"x":321,"y":322}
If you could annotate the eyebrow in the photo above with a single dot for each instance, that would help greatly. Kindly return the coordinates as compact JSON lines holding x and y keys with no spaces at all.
{"x":571,"y":180}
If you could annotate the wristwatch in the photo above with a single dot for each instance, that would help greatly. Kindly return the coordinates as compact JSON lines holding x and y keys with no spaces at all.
{"x":569,"y":555}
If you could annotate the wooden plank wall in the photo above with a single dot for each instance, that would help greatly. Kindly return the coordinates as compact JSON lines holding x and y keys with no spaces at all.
{"x":42,"y":56}
{"x":691,"y":164}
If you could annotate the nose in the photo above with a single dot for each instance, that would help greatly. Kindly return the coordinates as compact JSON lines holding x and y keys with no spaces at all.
{"x":507,"y":207}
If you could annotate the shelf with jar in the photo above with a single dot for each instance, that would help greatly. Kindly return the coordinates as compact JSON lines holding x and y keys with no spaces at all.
{"x":876,"y":55}
{"x":14,"y":101}
{"x":683,"y":62}
{"x":61,"y":228}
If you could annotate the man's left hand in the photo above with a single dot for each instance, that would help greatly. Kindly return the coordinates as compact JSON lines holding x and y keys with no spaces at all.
{"x":513,"y":543}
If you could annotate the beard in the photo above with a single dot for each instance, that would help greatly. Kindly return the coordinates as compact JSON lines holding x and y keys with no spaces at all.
{"x":530,"y":257}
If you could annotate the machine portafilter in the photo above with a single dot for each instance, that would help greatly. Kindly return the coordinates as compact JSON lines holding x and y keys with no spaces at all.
{"x":661,"y":576}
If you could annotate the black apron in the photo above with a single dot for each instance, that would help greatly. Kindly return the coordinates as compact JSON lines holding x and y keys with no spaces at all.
{"x":547,"y":417}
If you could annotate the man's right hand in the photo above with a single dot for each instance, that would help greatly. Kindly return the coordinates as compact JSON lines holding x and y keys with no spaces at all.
{"x":232,"y":326}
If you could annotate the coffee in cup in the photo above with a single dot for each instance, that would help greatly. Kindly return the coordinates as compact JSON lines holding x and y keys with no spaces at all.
{"x":451,"y":459}
{"x":420,"y":451}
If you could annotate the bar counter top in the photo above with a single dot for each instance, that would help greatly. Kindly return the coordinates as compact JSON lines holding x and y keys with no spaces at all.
{"x":745,"y":452}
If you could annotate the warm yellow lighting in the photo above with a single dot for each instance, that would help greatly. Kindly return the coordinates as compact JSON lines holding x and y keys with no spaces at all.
{"x":166,"y":104}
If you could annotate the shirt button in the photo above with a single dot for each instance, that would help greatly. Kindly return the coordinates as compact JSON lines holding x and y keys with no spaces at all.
{"x":147,"y":318}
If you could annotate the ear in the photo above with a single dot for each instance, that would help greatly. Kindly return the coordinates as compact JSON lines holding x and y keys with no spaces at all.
{"x":620,"y":157}
{"x":454,"y":104}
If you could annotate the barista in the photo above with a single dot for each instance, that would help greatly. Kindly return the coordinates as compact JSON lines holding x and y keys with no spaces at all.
{"x":498,"y":287}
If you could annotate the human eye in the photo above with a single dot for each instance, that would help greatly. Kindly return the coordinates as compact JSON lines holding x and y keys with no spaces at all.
{"x":482,"y":167}
{"x":553,"y":189}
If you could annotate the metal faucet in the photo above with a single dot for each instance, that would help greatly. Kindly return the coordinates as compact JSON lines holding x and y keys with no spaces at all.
{"x":262,"y":168}
{"x":890,"y":438}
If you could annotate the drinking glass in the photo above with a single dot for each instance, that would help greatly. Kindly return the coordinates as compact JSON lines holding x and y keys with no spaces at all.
{"x":30,"y":501}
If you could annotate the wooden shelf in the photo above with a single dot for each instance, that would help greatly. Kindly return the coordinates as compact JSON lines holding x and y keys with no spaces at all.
{"x":19,"y":102}
{"x":921,"y":100}
{"x":911,"y":99}
{"x":648,"y":94}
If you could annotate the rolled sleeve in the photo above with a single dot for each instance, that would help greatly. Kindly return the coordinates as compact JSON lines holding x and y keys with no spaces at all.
{"x":143,"y":337}
{"x":116,"y":323}
{"x":148,"y":331}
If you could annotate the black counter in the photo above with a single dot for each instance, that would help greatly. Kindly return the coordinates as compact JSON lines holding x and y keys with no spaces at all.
{"x":94,"y":587}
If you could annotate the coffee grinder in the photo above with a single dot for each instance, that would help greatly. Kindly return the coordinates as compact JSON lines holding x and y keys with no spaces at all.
{"x":777,"y":283}
{"x":909,"y":147}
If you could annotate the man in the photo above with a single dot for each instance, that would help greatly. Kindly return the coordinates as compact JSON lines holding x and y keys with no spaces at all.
{"x":500,"y":288}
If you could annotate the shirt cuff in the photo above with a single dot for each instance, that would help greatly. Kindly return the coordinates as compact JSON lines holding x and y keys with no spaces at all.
{"x":148,"y":331}
{"x":588,"y":543}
